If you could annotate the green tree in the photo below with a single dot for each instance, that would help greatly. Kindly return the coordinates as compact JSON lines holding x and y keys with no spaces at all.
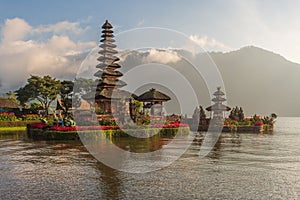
{"x":241,"y":114}
{"x":24,"y":94}
{"x":66,"y":92}
{"x":273,"y":116}
{"x":35,"y":106}
{"x":12,"y":97}
{"x":202,"y":113}
{"x":231,"y":115}
{"x":82,"y":87}
{"x":138,"y":105}
{"x":43,"y":89}
{"x":236,"y":113}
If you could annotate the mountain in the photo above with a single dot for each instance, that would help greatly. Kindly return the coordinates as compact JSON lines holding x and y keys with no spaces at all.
{"x":260,"y":81}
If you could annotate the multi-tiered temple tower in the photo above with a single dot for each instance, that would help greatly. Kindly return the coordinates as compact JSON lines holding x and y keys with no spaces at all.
{"x":108,"y":96}
{"x":218,"y":108}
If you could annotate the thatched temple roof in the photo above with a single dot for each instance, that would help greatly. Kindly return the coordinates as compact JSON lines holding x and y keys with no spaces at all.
{"x":153,"y":95}
{"x":6,"y":103}
{"x":115,"y":94}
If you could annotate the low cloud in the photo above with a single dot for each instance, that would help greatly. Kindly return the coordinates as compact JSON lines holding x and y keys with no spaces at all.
{"x":56,"y":56}
{"x":162,"y":56}
{"x":209,"y":43}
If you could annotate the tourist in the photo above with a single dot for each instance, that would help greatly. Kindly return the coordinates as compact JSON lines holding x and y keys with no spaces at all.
{"x":60,"y":120}
{"x":55,"y":120}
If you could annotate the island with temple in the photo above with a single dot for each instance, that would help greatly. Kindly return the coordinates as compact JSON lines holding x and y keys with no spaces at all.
{"x":115,"y":111}
{"x":235,"y":122}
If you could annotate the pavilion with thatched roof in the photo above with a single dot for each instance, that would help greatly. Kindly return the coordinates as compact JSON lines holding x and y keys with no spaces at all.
{"x":153,"y":100}
{"x":7,"y":104}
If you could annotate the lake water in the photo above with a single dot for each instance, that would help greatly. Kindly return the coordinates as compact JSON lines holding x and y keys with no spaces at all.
{"x":241,"y":166}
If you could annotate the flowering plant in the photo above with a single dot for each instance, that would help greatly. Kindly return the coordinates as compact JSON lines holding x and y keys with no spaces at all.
{"x":38,"y":125}
{"x":99,"y":127}
{"x":30,"y":117}
{"x":258,"y":123}
{"x":62,"y":128}
{"x":175,"y":124}
{"x":7,"y":116}
{"x":83,"y":128}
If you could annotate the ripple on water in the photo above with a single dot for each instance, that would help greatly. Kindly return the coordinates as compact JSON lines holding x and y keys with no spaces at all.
{"x":240,"y":166}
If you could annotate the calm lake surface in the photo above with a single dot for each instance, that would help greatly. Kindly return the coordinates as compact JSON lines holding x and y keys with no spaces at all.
{"x":241,"y":166}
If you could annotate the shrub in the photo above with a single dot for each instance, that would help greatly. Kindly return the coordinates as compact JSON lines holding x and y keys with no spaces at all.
{"x":7,"y":116}
{"x":14,"y":123}
{"x":30,"y":117}
{"x":245,"y":123}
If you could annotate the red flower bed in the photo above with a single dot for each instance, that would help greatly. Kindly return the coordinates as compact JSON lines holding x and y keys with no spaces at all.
{"x":39,"y":125}
{"x":86,"y":128}
{"x":110,"y":127}
{"x":157,"y":126}
{"x":83,"y":128}
{"x":258,"y":123}
{"x":175,"y":125}
{"x":171,"y":125}
{"x":7,"y":116}
{"x":62,"y":128}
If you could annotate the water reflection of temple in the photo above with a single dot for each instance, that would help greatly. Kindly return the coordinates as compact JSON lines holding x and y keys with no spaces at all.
{"x":112,"y":182}
{"x":224,"y":141}
{"x":141,"y":145}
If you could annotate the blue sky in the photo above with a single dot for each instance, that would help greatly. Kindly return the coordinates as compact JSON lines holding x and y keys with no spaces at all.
{"x":234,"y":23}
{"x":190,"y":18}
{"x":58,"y":28}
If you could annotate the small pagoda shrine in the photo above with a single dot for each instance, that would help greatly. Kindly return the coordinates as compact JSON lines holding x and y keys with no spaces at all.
{"x":218,"y":108}
{"x":108,"y":96}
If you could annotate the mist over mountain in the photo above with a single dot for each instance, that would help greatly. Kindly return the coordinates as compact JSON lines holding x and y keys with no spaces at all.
{"x":260,"y":81}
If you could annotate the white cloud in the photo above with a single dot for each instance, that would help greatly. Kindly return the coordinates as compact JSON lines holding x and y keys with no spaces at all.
{"x":162,"y":56}
{"x":209,"y":43}
{"x":15,"y":29}
{"x":20,"y":57}
{"x":61,"y":27}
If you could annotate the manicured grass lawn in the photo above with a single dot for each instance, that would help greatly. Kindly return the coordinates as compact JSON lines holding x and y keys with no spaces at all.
{"x":19,"y":128}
